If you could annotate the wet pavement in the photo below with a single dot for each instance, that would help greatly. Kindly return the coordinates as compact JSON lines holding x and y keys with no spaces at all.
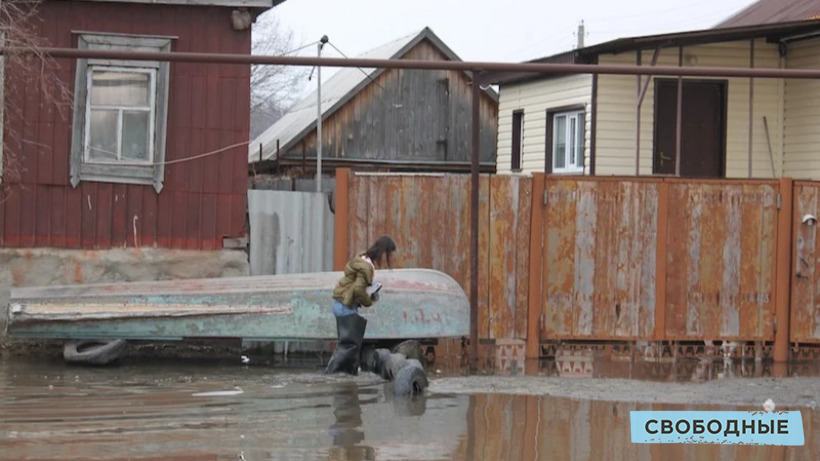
{"x":173,"y":410}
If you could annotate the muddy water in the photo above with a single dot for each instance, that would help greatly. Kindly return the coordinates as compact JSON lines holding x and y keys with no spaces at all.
{"x":181,"y":411}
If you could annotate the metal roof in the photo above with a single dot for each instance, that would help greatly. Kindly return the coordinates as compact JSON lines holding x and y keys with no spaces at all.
{"x":773,"y":11}
{"x":589,"y":55}
{"x":336,"y":92}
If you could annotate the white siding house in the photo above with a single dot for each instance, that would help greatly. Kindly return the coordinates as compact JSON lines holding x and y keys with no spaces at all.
{"x":566,"y":92}
{"x":769,"y":126}
{"x":801,"y":142}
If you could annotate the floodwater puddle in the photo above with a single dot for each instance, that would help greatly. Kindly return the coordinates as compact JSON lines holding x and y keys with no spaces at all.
{"x":173,"y":411}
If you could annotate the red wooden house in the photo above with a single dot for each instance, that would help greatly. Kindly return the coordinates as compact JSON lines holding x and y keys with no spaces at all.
{"x":109,"y":169}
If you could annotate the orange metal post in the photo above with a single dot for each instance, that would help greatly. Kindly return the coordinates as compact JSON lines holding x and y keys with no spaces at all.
{"x":784,"y":264}
{"x":660,"y":262}
{"x":341,"y":236}
{"x":536,"y":276}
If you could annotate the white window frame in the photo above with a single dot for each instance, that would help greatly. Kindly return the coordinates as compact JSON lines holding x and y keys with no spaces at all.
{"x":571,"y":165}
{"x":82,"y":167}
{"x":151,"y":109}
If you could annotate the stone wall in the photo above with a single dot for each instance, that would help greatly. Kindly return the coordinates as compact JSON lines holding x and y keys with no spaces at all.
{"x":47,"y":266}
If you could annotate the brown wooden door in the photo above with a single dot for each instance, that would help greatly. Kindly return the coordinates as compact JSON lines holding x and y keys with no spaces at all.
{"x":703,"y":128}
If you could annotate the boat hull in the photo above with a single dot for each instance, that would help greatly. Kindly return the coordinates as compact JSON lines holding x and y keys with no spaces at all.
{"x":414,"y":303}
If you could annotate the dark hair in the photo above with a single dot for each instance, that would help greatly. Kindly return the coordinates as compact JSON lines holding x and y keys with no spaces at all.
{"x":383,"y":245}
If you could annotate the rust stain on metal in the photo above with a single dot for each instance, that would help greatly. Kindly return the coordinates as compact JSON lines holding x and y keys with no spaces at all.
{"x":559,"y":258}
{"x":502,"y":224}
{"x":805,"y":313}
{"x":600,"y":258}
{"x":522,"y":257}
{"x":720,"y":260}
{"x":483,"y":257}
{"x":535,"y":280}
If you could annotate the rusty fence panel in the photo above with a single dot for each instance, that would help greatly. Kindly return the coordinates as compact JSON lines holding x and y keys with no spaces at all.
{"x":720,"y":260}
{"x":599,"y":258}
{"x":805,"y":277}
{"x":428,"y":217}
{"x":509,"y":227}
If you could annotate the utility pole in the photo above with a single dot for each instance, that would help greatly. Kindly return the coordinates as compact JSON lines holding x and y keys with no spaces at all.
{"x":581,"y":35}
{"x":322,"y":42}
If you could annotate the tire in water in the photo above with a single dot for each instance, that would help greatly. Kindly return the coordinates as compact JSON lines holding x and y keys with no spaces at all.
{"x":93,"y":352}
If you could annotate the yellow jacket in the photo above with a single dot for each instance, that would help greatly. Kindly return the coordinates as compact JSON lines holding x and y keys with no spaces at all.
{"x":352,"y":287}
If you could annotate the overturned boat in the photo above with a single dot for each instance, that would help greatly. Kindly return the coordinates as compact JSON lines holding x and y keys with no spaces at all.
{"x":414,"y":304}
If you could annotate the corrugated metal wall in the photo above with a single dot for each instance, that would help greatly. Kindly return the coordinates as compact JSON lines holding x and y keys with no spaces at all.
{"x":202,"y":201}
{"x":291,"y":232}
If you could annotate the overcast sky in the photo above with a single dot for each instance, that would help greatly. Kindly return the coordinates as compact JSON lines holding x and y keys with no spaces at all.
{"x":482,"y":30}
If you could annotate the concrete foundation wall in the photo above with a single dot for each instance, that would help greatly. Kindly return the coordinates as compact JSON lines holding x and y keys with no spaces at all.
{"x":47,"y":266}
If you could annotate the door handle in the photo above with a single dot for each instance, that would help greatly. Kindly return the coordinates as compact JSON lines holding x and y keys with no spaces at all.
{"x":663,"y":157}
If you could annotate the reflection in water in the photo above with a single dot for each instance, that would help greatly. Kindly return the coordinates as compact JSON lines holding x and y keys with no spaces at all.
{"x":545,"y":428}
{"x":347,"y":430}
{"x":56,"y":412}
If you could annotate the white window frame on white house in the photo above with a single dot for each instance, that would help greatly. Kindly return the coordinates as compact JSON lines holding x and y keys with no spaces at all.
{"x":568,"y":157}
{"x":84,"y":165}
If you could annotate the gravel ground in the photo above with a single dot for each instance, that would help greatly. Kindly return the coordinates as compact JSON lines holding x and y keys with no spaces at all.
{"x":785,"y":392}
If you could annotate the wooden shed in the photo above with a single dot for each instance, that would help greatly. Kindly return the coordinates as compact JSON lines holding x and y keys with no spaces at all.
{"x":121,"y":163}
{"x":627,"y":125}
{"x":397,"y":119}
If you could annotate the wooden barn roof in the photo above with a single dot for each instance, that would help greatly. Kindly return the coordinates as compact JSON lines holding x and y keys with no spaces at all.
{"x":336,"y":92}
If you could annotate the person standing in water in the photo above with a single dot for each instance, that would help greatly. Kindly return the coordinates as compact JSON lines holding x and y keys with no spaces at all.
{"x":350,"y":294}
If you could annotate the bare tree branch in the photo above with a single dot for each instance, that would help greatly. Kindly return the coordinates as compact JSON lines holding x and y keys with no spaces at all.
{"x":34,"y":74}
{"x":274,"y":89}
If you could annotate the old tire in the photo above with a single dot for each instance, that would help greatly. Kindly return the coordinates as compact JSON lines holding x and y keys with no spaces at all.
{"x":394,"y":364}
{"x":93,"y":352}
{"x":410,"y":380}
{"x":382,"y":358}
{"x":411,"y":349}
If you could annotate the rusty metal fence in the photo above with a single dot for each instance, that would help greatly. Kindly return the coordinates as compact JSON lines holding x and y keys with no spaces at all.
{"x":805,"y":282}
{"x":605,"y":259}
{"x":428,"y":217}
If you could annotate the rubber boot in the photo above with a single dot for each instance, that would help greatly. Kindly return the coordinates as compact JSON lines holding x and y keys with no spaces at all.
{"x":346,"y":357}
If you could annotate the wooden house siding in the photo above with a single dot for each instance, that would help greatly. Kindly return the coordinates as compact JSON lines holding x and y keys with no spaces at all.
{"x":535,"y":98}
{"x":617,"y":99}
{"x":202,"y":200}
{"x":432,"y":109}
{"x":802,"y":113}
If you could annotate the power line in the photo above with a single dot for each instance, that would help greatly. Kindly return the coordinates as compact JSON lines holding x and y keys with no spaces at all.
{"x":362,"y":70}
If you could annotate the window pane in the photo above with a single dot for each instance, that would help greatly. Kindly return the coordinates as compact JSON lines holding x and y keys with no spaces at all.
{"x":102,"y":142}
{"x":114,"y":88}
{"x":135,"y":135}
{"x":580,"y":144}
{"x":573,"y":128}
{"x":559,"y":150}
